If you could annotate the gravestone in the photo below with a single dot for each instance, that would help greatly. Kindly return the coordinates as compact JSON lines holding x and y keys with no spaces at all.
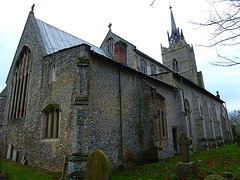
{"x":238,"y":140}
{"x":185,"y":168}
{"x":23,"y":161}
{"x":214,"y":177}
{"x":15,"y":155}
{"x":128,"y":156}
{"x":98,"y":167}
{"x":9,"y":151}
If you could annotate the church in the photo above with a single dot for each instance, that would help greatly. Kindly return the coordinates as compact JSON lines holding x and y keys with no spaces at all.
{"x":65,"y":96}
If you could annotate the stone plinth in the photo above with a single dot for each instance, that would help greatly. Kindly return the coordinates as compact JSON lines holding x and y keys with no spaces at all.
{"x":186,"y":170}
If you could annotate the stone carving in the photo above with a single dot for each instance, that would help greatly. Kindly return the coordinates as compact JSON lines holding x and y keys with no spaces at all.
{"x":184,"y":142}
{"x":98,"y":167}
{"x":185,"y":168}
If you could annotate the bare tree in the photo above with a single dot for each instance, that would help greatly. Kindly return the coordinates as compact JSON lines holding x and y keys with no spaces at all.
{"x":235,"y":116}
{"x":225,"y":20}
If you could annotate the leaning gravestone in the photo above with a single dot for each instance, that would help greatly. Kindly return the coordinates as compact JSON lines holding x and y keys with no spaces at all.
{"x":185,"y":168}
{"x":98,"y":167}
{"x":15,"y":155}
{"x":9,"y":151}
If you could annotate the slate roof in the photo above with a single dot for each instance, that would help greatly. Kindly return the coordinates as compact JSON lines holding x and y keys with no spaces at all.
{"x":55,"y":39}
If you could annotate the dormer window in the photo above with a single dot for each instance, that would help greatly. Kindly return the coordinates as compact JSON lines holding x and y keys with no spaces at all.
{"x":110,"y":45}
{"x":175,"y":65}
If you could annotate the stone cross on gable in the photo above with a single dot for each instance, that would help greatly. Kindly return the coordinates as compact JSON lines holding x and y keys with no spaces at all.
{"x":184,"y":142}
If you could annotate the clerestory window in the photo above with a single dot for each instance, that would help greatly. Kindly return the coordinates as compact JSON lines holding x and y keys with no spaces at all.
{"x":143,"y":66}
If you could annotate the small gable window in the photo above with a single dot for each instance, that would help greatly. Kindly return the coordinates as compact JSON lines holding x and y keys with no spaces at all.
{"x":110,"y":45}
{"x":153,"y":69}
{"x":175,"y":65}
{"x":50,"y":126}
{"x":143,"y":66}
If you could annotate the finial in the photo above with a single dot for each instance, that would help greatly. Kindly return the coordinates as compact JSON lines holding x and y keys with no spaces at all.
{"x":109,"y":26}
{"x":32,"y":8}
{"x":170,"y":7}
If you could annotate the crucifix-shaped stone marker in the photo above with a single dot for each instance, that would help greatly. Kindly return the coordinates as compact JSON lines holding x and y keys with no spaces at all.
{"x":184,"y":142}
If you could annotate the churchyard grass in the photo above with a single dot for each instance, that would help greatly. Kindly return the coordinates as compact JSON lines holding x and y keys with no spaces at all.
{"x":214,"y":161}
{"x":17,"y":171}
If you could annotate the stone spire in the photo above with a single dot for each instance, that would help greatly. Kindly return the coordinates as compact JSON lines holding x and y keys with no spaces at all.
{"x":175,"y":36}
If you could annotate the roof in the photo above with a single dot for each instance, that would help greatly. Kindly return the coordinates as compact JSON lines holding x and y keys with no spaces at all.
{"x":55,"y":39}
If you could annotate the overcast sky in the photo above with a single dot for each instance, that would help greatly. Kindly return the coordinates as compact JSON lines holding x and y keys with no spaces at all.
{"x":134,"y":20}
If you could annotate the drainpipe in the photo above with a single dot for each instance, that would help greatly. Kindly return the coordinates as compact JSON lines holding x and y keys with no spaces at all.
{"x":120,"y":116}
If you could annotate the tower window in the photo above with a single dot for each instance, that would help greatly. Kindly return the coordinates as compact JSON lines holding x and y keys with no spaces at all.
{"x":175,"y":65}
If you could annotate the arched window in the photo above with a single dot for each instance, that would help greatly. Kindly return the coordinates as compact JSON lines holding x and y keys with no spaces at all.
{"x":110,"y":45}
{"x":153,"y":69}
{"x":20,"y":84}
{"x":175,"y":65}
{"x":159,"y":106}
{"x":50,"y":126}
{"x":143,"y":66}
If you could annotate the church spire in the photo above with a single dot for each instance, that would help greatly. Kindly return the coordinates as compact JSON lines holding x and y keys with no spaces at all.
{"x":175,"y":36}
{"x":174,"y":27}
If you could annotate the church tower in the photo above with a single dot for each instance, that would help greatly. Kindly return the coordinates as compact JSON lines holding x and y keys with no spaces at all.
{"x":179,"y":56}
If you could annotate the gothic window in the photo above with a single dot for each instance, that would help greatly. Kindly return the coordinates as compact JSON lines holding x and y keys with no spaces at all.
{"x":159,"y":104}
{"x":153,"y":69}
{"x":50,"y":127}
{"x":175,"y":65}
{"x":143,"y":66}
{"x":20,"y":84}
{"x":110,"y":45}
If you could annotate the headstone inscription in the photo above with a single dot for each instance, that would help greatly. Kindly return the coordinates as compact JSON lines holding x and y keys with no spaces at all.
{"x":98,"y":167}
{"x":185,"y":168}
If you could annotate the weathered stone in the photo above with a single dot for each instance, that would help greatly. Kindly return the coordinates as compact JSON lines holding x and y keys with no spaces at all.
{"x":15,"y":155}
{"x":214,"y":177}
{"x":186,"y":170}
{"x":98,"y":167}
{"x":23,"y":161}
{"x":184,"y":142}
{"x":227,"y":175}
{"x":128,"y":156}
{"x":9,"y":151}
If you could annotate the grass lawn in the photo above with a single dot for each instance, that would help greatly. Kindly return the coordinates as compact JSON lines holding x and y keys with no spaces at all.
{"x":214,"y":161}
{"x":17,"y":171}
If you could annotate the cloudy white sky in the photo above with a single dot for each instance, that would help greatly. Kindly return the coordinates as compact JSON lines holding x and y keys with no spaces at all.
{"x":134,"y":20}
